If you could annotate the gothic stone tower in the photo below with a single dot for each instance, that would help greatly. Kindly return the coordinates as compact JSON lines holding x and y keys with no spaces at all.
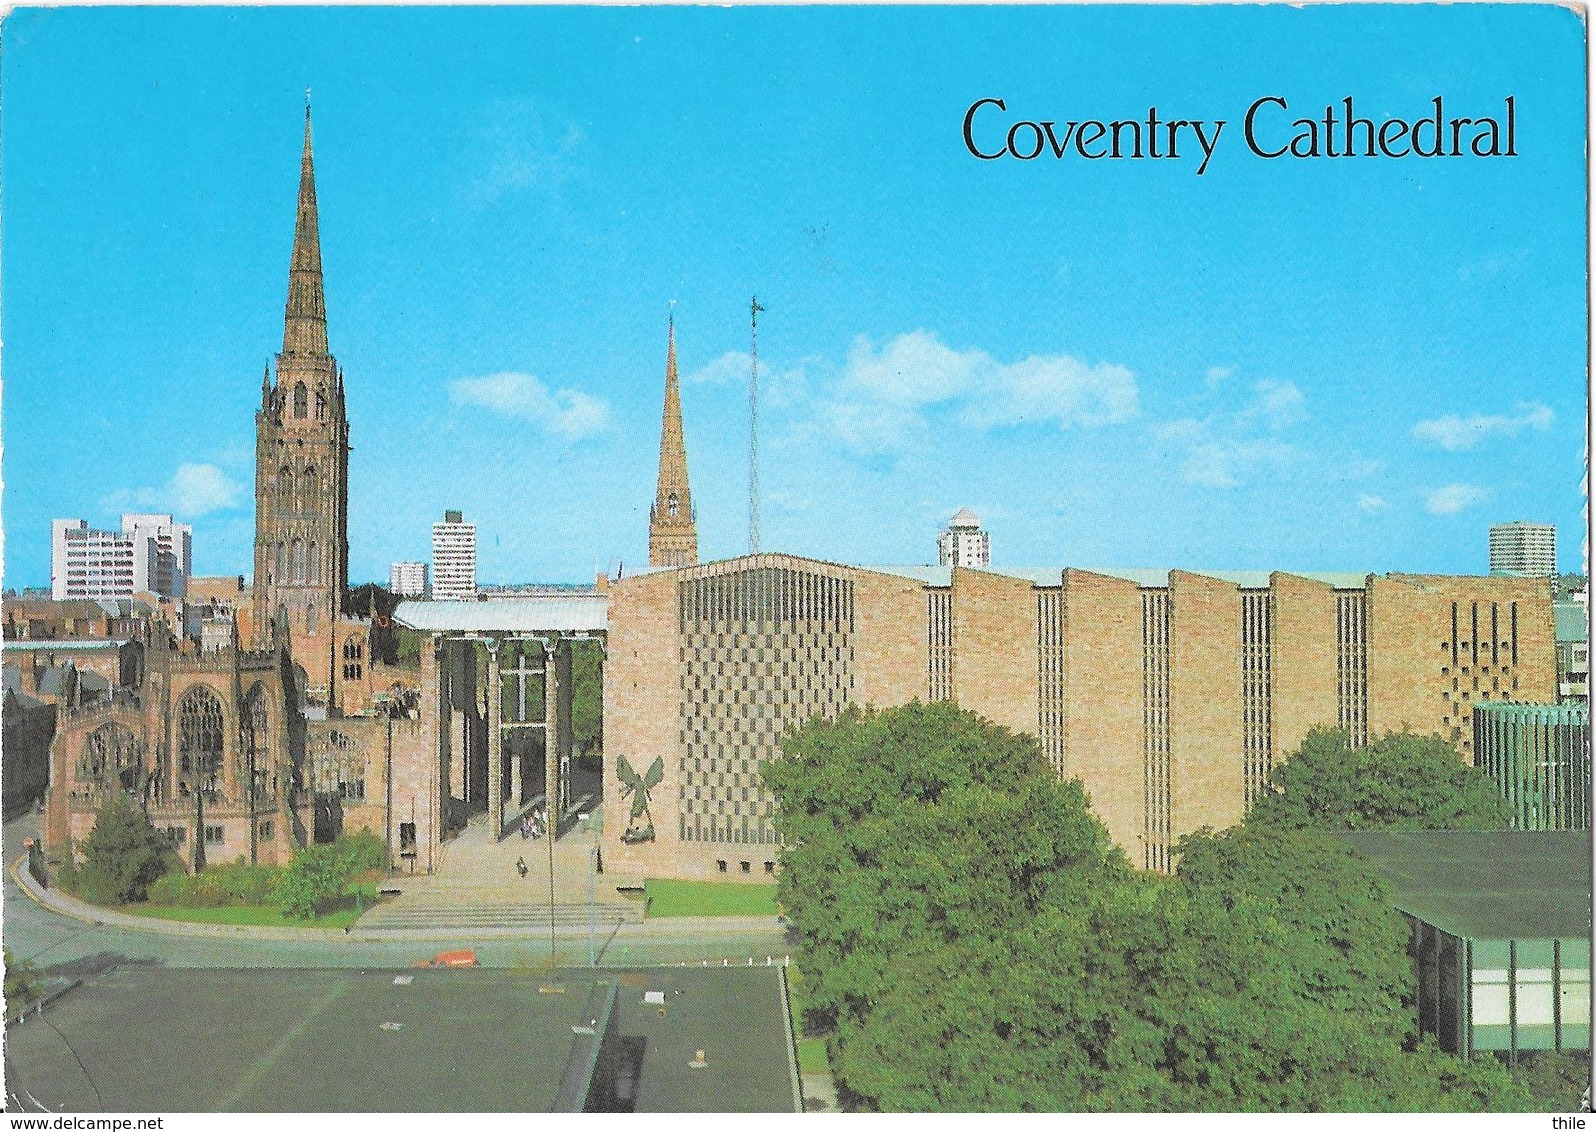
{"x":302,"y":472}
{"x":672,"y":533}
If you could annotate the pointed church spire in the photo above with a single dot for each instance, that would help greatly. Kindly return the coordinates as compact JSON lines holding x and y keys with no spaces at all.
{"x":305,"y":319}
{"x":672,"y":533}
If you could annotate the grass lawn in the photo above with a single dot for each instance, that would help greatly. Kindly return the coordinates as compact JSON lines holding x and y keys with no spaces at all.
{"x":252,"y":915}
{"x":667,"y":898}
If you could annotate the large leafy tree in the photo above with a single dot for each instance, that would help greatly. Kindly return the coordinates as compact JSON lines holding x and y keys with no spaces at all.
{"x":123,"y":854}
{"x":942,"y":879}
{"x":972,"y":940}
{"x":1284,"y":985}
{"x":1399,"y":781}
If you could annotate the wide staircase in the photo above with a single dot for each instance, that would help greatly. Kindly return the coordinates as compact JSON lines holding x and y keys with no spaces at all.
{"x":480,"y":886}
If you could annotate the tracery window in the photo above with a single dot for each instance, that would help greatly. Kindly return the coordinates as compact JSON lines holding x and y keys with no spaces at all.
{"x":112,"y":756}
{"x":337,"y":766}
{"x":309,"y":485}
{"x":285,"y":490}
{"x":257,"y":740}
{"x":671,"y":505}
{"x":299,"y":561}
{"x":301,"y":401}
{"x":200,"y":741}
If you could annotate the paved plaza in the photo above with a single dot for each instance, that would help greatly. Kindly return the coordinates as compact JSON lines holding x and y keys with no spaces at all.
{"x":140,"y":1038}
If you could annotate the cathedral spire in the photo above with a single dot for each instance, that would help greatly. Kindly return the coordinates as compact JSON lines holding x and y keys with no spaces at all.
{"x":672,"y":533}
{"x":305,"y":319}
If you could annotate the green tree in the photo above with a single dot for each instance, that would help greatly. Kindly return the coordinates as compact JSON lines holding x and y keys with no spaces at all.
{"x":318,"y":878}
{"x":1399,"y":781}
{"x":123,"y":854}
{"x":587,"y":694}
{"x":23,"y":985}
{"x":972,"y":940}
{"x":943,"y":880}
{"x":315,"y":881}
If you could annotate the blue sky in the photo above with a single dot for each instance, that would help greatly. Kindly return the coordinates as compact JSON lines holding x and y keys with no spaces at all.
{"x":1332,"y":364}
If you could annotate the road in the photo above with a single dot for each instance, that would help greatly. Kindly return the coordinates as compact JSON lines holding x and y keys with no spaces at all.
{"x":66,"y":945}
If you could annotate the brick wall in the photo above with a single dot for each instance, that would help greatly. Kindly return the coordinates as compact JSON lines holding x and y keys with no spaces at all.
{"x":1302,"y":660}
{"x":1103,"y":700}
{"x":1425,"y":675}
{"x":1205,"y":703}
{"x":889,"y":639}
{"x":641,"y":697}
{"x":994,"y":648}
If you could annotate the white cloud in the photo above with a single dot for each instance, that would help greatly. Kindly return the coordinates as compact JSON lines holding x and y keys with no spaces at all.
{"x":880,"y":399}
{"x":568,"y":413}
{"x":200,"y":488}
{"x":1454,"y":497}
{"x":1369,"y":504}
{"x":193,"y":490}
{"x":1455,"y":433}
{"x":518,"y":147}
{"x":777,"y":387}
{"x":1222,"y":448}
{"x":1275,"y":404}
{"x":1222,"y":462}
{"x":729,"y":369}
{"x":1216,"y":375}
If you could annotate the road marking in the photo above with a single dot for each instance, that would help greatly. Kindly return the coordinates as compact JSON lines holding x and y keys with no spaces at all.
{"x":249,"y":1080}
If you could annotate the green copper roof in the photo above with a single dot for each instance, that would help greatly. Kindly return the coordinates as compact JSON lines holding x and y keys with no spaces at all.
{"x":1505,"y":884}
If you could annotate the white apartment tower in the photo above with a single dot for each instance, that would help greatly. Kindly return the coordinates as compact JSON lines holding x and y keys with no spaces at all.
{"x":150,"y":554}
{"x":454,"y":559}
{"x":1527,"y":550}
{"x":408,"y":579}
{"x":964,"y":543}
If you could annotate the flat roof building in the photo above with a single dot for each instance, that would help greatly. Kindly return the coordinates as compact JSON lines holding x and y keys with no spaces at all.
{"x":1501,"y":926}
{"x":408,"y":579}
{"x":964,"y":543}
{"x":454,"y":558}
{"x":1526,"y":550}
{"x":150,"y":554}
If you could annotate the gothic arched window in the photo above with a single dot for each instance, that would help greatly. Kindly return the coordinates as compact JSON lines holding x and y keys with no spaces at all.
{"x":301,"y":401}
{"x":257,"y":737}
{"x":298,"y":572}
{"x":285,"y":490}
{"x":112,"y":756}
{"x":200,"y":740}
{"x":313,"y":571}
{"x":671,"y":505}
{"x":321,"y":404}
{"x":282,"y":563}
{"x":309,"y":486}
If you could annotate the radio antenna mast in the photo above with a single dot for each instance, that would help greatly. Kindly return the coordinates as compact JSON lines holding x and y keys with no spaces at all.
{"x":753,"y":425}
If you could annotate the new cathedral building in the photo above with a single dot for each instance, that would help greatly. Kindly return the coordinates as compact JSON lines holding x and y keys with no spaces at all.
{"x":1170,"y":694}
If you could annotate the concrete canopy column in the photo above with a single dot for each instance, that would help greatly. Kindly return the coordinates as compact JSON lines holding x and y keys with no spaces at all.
{"x":552,"y":690}
{"x":517,"y":758}
{"x":495,"y":743}
{"x":563,"y":689}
